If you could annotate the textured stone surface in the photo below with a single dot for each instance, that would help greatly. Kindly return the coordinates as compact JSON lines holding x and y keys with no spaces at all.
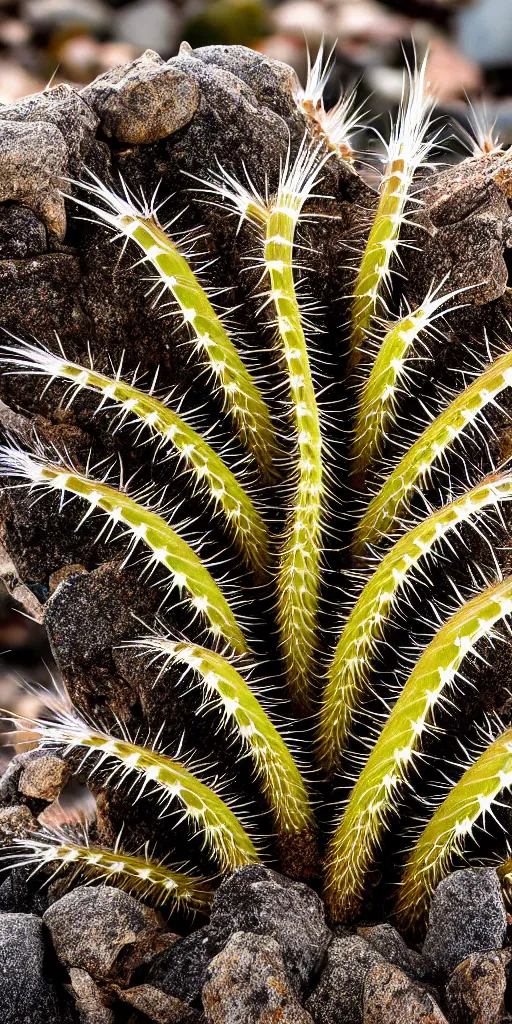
{"x":475,"y":992}
{"x":247,"y":984}
{"x":33,"y":161}
{"x":181,"y":971}
{"x":157,"y":1006}
{"x":44,"y":778}
{"x":15,"y":823}
{"x":63,"y":107}
{"x":25,"y":995}
{"x":143,"y":101}
{"x":467,"y":916}
{"x":387,"y":941}
{"x":338,"y":997}
{"x":92,"y":927}
{"x":390,"y":997}
{"x":89,"y":1005}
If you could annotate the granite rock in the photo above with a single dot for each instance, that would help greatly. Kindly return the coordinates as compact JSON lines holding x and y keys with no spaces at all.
{"x":387,"y":941}
{"x":467,"y":916}
{"x":25,"y":994}
{"x":338,"y":997}
{"x":390,"y":997}
{"x":475,"y":993}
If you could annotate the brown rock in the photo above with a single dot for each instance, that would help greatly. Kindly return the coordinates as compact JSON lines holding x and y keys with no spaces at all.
{"x":159,"y":1007}
{"x":143,"y":101}
{"x":15,"y":823}
{"x":247,"y":983}
{"x":475,"y":992}
{"x":91,"y":1009}
{"x":33,"y":162}
{"x":45,"y":778}
{"x":390,"y":997}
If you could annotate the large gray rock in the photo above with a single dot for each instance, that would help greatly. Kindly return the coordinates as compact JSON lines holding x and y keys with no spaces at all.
{"x":467,"y":916}
{"x":26,"y":997}
{"x":338,"y":997}
{"x":247,"y":984}
{"x":92,"y":927}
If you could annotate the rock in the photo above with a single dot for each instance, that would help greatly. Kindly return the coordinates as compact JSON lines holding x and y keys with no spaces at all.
{"x":16,"y":822}
{"x":247,"y":984}
{"x":33,"y":162}
{"x":475,"y":993}
{"x":181,"y":971}
{"x":21,"y":233}
{"x":92,"y":928}
{"x":258,"y":900}
{"x":63,"y":107}
{"x":44,"y":778}
{"x":338,"y":997}
{"x":91,"y":1009}
{"x":467,"y":916}
{"x":143,"y":101}
{"x":25,"y":995}
{"x":158,"y":1006}
{"x":390,"y":997}
{"x":387,"y":941}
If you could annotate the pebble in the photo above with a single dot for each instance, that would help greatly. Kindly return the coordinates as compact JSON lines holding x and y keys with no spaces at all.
{"x":157,"y":1006}
{"x":25,"y":995}
{"x":467,"y":916}
{"x":93,"y":928}
{"x":44,"y":778}
{"x":475,"y":993}
{"x":387,"y":941}
{"x":89,"y":1004}
{"x":338,"y":997}
{"x":181,"y":970}
{"x":15,"y":823}
{"x":390,"y":997}
{"x":248,"y":984}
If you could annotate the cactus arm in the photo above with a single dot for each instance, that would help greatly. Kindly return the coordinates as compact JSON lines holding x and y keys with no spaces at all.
{"x":351,"y":665}
{"x":454,"y":821}
{"x":377,"y":402}
{"x":433,"y":444}
{"x":224,"y":836}
{"x":137,"y":874}
{"x":241,"y":397}
{"x":406,"y":151}
{"x":244,"y":522}
{"x":221,"y":683}
{"x":376,"y":795}
{"x":166,"y":546}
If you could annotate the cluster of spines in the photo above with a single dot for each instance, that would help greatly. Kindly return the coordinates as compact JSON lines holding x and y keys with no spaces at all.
{"x":137,"y":873}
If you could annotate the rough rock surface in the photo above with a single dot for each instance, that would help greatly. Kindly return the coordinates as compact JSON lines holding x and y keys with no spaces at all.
{"x":261,"y":901}
{"x":390,"y":997}
{"x":467,"y":916}
{"x":33,"y":162}
{"x":25,"y":994}
{"x":15,"y":822}
{"x":92,"y":927}
{"x":338,"y":997}
{"x":387,"y":941}
{"x":89,"y":1004}
{"x":157,"y":1006}
{"x":476,"y":989}
{"x":44,"y":778}
{"x":248,"y":984}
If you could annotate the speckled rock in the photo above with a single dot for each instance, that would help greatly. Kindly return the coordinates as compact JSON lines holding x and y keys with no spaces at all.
{"x":247,"y":984}
{"x":26,"y":997}
{"x":475,"y":993}
{"x":338,"y":997}
{"x":44,"y":778}
{"x":181,"y":970}
{"x":390,"y":997}
{"x":92,"y":927}
{"x":144,"y":101}
{"x":467,"y":916}
{"x":15,"y":823}
{"x":157,"y":1006}
{"x":62,"y":106}
{"x":89,"y":1004}
{"x":21,"y":233}
{"x":33,"y":161}
{"x":387,"y":941}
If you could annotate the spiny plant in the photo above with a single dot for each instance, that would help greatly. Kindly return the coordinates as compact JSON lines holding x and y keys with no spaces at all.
{"x":403,"y":510}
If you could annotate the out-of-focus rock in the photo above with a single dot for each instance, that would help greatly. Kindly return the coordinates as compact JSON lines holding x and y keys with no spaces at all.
{"x":475,"y":993}
{"x":391,"y":997}
{"x":248,"y":982}
{"x":467,"y":916}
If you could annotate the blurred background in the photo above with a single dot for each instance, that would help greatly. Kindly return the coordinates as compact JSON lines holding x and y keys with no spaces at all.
{"x":43,"y":41}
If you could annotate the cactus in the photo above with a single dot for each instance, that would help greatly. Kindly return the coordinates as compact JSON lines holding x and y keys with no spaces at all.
{"x":258,"y":694}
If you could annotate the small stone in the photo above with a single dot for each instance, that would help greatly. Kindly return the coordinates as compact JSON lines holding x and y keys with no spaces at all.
{"x":45,"y":778}
{"x":181,"y":970}
{"x":390,"y":997}
{"x":21,"y":233}
{"x":33,"y":162}
{"x":338,"y":997}
{"x":387,"y":941}
{"x":258,"y":900}
{"x":157,"y":1006}
{"x":25,"y":995}
{"x":92,"y":927}
{"x":15,"y":823}
{"x":467,"y":916}
{"x":91,"y":1009}
{"x":144,"y":101}
{"x":247,"y":984}
{"x":475,"y":993}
